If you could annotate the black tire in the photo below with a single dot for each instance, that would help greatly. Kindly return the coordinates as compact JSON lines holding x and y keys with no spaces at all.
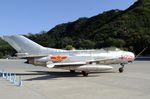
{"x":84,"y":73}
{"x":121,"y":70}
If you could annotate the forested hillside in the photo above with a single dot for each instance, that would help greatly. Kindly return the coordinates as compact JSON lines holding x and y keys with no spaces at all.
{"x":5,"y":49}
{"x":128,"y":29}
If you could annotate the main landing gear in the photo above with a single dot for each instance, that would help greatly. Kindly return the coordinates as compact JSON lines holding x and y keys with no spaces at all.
{"x":72,"y":71}
{"x":121,"y":69}
{"x":84,"y":73}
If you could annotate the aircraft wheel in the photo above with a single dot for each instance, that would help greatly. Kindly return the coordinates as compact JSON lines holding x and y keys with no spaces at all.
{"x":72,"y":71}
{"x":84,"y":73}
{"x":121,"y":70}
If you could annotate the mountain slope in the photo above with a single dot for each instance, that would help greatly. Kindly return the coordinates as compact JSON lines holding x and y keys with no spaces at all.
{"x":126,"y":29}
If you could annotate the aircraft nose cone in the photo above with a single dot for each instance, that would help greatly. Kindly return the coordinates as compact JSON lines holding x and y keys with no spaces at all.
{"x":132,"y":54}
{"x":128,"y":56}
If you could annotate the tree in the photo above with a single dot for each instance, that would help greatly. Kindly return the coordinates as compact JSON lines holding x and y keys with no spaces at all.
{"x":69,"y":47}
{"x":87,"y":44}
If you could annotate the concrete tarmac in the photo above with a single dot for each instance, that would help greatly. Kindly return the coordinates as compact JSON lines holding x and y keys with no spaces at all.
{"x":44,"y":83}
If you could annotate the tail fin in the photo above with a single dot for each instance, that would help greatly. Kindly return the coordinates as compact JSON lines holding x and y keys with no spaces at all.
{"x":23,"y":45}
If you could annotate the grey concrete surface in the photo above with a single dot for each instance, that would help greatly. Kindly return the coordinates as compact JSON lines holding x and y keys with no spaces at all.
{"x":43,"y":83}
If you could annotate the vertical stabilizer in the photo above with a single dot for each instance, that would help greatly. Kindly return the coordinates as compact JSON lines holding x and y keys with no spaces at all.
{"x":23,"y":45}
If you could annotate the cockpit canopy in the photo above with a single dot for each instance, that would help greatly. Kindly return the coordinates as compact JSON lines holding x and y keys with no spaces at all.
{"x":111,"y":49}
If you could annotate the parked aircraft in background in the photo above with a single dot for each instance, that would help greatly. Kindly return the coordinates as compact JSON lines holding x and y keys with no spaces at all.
{"x":73,"y":60}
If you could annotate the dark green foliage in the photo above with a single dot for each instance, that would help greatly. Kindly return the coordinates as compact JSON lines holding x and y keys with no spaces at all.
{"x":6,"y":49}
{"x":69,"y":47}
{"x":128,"y":29}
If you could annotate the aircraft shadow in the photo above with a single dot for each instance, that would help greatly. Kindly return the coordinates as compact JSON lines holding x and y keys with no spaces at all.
{"x":48,"y":75}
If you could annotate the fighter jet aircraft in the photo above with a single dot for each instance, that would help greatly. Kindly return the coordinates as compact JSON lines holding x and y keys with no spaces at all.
{"x":73,"y":60}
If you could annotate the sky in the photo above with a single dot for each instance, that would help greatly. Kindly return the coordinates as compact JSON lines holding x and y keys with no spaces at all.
{"x":34,"y":16}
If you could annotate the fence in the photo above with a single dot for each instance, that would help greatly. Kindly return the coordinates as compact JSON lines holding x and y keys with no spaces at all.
{"x":11,"y":77}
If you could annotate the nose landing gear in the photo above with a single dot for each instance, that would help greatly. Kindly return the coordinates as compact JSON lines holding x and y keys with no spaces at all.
{"x":121,"y":69}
